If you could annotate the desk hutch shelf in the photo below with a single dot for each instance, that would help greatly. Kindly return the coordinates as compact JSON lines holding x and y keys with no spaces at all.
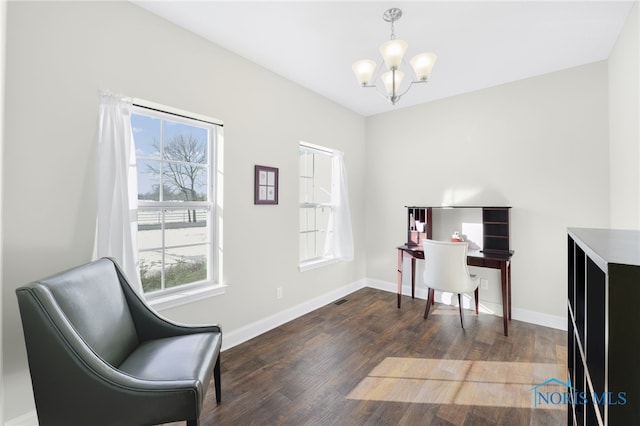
{"x":419,"y":215}
{"x":495,"y":226}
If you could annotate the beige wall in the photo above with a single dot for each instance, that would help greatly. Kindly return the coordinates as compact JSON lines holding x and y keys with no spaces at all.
{"x":624,"y":125}
{"x":539,"y":145}
{"x":59,"y":55}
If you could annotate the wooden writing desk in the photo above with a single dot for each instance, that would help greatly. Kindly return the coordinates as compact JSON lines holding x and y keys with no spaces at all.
{"x":501,"y":261}
{"x":495,"y":225}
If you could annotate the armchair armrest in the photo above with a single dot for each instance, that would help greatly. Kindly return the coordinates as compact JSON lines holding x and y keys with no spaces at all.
{"x":149,"y":324}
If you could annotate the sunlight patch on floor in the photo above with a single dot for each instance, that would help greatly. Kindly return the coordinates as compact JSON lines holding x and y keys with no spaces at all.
{"x":459,"y":382}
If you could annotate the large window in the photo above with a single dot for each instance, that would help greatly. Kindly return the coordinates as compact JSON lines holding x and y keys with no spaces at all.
{"x":315,"y":201}
{"x":175,"y":159}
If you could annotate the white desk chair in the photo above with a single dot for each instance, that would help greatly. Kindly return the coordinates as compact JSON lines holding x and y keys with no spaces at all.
{"x":446,"y":269}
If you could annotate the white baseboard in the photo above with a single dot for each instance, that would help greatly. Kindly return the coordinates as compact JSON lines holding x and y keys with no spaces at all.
{"x":249,"y":331}
{"x":532,"y":317}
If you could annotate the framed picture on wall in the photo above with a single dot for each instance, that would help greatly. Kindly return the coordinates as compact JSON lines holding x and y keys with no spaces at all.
{"x":265,"y":185}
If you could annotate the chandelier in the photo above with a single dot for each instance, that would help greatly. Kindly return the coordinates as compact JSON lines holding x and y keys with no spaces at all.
{"x":392,"y":52}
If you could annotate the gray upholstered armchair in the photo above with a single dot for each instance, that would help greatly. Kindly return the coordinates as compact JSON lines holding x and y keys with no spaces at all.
{"x":99,"y":356}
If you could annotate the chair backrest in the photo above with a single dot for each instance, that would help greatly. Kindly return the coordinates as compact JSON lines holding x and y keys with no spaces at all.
{"x":445,"y":266}
{"x":91,"y":300}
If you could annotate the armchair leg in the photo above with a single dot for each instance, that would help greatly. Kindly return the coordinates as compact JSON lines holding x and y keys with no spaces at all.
{"x":461,"y":310}
{"x":430,"y":297}
{"x":216,"y":378}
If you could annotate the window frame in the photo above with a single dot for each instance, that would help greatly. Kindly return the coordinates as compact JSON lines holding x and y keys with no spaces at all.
{"x":212,"y":285}
{"x":319,"y":260}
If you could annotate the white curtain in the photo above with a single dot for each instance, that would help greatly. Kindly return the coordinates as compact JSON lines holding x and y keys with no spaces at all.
{"x":116,"y":225}
{"x":339,"y":244}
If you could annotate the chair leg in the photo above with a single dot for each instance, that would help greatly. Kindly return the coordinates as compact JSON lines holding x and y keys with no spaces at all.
{"x":430,"y":298}
{"x":216,"y":378}
{"x":477,"y":299}
{"x":192,"y":422}
{"x":461,"y":310}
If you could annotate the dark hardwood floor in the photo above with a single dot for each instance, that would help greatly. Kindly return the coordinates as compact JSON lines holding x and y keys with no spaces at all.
{"x":364,"y":361}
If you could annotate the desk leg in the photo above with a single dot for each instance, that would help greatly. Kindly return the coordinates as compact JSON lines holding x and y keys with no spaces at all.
{"x":413,"y":277}
{"x":506,"y":308}
{"x":509,"y":286}
{"x":399,"y":290}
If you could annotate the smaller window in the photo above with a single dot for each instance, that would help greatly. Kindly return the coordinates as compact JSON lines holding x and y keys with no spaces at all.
{"x":315,"y":201}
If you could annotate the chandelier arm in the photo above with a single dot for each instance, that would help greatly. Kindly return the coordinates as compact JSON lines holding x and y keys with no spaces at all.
{"x":391,"y":98}
{"x":378,"y":91}
{"x":409,"y":86}
{"x":395,"y":97}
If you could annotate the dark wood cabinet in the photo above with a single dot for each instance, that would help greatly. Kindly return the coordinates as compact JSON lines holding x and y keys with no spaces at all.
{"x":603,"y":326}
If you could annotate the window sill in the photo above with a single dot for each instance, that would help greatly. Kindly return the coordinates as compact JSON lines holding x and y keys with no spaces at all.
{"x":316,"y":263}
{"x":167,"y":301}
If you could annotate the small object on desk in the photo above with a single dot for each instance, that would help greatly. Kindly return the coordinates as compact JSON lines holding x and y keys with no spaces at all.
{"x":420,"y":226}
{"x":456,"y":238}
{"x":412,"y":223}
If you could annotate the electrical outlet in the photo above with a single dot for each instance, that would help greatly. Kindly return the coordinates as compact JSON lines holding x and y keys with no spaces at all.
{"x":484,"y":284}
{"x":279,"y":293}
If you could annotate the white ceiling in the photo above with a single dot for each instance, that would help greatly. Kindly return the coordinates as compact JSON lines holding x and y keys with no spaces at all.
{"x":479,"y":43}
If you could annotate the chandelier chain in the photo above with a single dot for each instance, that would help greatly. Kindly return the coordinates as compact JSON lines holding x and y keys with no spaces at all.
{"x":392,"y":15}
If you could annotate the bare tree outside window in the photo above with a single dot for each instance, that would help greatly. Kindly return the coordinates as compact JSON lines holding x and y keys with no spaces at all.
{"x":183,"y":170}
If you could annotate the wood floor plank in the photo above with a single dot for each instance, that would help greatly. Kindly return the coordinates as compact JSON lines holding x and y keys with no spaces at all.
{"x":365,"y":362}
